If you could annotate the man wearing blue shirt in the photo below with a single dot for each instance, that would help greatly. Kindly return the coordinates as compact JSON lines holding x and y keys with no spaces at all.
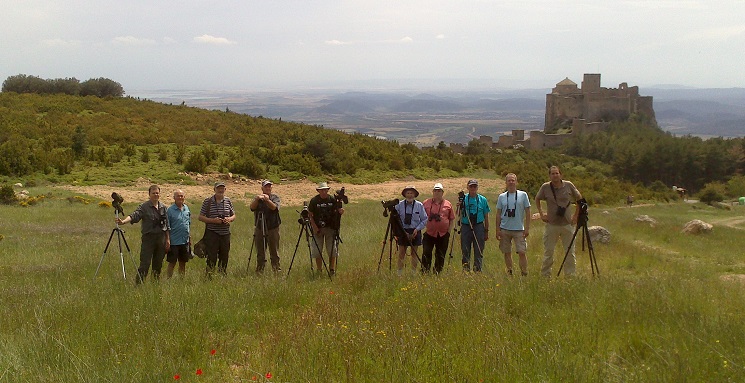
{"x":179,"y":217}
{"x":475,"y":226}
{"x":513,"y":208}
{"x":413,"y":220}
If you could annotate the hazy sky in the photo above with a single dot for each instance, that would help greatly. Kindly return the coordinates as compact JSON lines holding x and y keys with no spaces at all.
{"x":191,"y":44}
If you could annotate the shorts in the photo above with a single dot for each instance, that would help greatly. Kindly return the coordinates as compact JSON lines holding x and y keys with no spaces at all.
{"x":505,"y":244}
{"x":178,"y":253}
{"x":417,"y":241}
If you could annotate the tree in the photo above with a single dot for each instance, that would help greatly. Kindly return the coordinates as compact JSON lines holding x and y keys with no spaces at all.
{"x":101,"y":87}
{"x":79,"y":142}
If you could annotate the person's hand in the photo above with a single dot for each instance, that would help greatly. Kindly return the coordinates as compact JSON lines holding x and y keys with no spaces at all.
{"x":499,"y":234}
{"x":526,"y":232}
{"x":168,"y":245}
{"x":341,"y":210}
{"x":574,"y":220}
{"x":544,"y":217}
{"x":486,"y":235}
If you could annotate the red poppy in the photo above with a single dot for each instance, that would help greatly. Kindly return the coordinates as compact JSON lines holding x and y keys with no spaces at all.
{"x":254,"y":377}
{"x":331,"y":292}
{"x":176,"y":377}
{"x":268,"y":375}
{"x":213,"y":352}
{"x":199,"y":371}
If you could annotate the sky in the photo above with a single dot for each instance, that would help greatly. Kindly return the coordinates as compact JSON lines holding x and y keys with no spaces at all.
{"x":375,"y":44}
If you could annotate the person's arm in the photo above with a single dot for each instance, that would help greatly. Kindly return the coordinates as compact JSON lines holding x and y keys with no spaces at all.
{"x":423,"y":218}
{"x":538,"y":199}
{"x":526,"y":232}
{"x":486,"y":226}
{"x":498,"y":225}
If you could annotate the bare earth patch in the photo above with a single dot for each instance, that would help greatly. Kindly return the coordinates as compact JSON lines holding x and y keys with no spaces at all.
{"x":293,"y":193}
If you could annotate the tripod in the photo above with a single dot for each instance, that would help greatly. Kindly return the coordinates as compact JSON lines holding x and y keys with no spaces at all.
{"x":120,"y":238}
{"x":394,"y":230}
{"x":456,"y":230}
{"x":307,"y":229}
{"x":582,"y":224}
{"x":260,"y":225}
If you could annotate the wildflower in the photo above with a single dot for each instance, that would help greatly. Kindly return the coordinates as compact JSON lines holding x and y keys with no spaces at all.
{"x":199,"y":371}
{"x":254,"y":377}
{"x":268,"y":375}
{"x":213,"y":352}
{"x":331,"y":292}
{"x":176,"y":377}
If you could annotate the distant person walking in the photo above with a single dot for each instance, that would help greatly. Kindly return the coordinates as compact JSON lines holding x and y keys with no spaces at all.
{"x":440,"y":221}
{"x":179,"y":217}
{"x":474,"y":226}
{"x":155,"y":233}
{"x":558,"y":194}
{"x":217,"y":213}
{"x":266,"y":221}
{"x":513,"y":224}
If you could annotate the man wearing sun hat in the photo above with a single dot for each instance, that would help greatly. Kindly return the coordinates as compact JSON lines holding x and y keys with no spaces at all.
{"x":322,"y":209}
{"x":475,"y":226}
{"x":217,"y":213}
{"x":413,"y":220}
{"x":440,"y":221}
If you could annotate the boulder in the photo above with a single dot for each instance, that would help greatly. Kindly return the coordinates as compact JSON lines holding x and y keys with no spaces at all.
{"x":599,"y":234}
{"x":647,"y":219}
{"x":18,"y":185}
{"x":697,"y":226}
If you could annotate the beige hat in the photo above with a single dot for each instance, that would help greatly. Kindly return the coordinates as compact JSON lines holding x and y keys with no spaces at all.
{"x":323,"y":185}
{"x":410,"y":187}
{"x":438,"y":186}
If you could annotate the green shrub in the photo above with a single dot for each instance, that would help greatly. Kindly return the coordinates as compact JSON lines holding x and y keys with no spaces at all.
{"x":7,"y":195}
{"x":712,"y":192}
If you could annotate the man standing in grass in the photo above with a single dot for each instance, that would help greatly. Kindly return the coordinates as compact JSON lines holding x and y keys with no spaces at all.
{"x":440,"y":221}
{"x":513,"y":223}
{"x":413,"y":220}
{"x":558,"y":194}
{"x":266,"y":220}
{"x":179,"y":217}
{"x":218,"y":213}
{"x":155,"y":233}
{"x":322,"y":209}
{"x":475,"y":226}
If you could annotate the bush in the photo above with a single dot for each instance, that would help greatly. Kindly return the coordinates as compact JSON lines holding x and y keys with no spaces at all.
{"x":196,"y":162}
{"x":7,"y":195}
{"x":712,"y":192}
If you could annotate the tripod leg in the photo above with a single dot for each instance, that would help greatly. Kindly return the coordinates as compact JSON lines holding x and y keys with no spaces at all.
{"x":385,"y":239}
{"x":104,"y":253}
{"x":591,"y":252}
{"x":121,"y":255}
{"x":297,"y":244}
{"x":569,"y":249}
{"x":124,"y":239}
{"x":320,"y":251}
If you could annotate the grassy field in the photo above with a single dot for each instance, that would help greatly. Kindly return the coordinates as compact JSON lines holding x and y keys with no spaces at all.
{"x":667,"y":307}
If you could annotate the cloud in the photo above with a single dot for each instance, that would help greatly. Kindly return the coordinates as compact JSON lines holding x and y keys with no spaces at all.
{"x":208,"y":39}
{"x":406,"y":40}
{"x":131,"y":40}
{"x":168,"y":40}
{"x":60,"y":43}
{"x":336,"y":42}
{"x":440,"y":36}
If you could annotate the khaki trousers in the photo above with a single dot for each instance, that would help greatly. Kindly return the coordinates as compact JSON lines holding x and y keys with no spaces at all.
{"x":550,"y":236}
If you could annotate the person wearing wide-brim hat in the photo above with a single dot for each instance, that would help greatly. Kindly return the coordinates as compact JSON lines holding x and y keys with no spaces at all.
{"x":413,"y":220}
{"x":440,"y":221}
{"x":323,"y":212}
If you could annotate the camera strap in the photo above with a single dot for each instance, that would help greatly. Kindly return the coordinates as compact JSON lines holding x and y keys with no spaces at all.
{"x":552,"y":191}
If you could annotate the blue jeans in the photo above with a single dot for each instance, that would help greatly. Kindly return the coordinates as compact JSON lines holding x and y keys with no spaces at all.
{"x":467,"y":241}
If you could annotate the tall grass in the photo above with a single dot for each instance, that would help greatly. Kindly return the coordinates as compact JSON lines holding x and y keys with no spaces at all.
{"x":659,"y":310}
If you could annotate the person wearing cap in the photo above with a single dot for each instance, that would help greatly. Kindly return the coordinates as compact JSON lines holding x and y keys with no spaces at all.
{"x":156,"y":239}
{"x":513,"y":208}
{"x":440,"y":221}
{"x":474,"y":226}
{"x":322,"y":210}
{"x":413,"y":220}
{"x":266,"y":220}
{"x":217,"y":213}
{"x":558,"y":194}
{"x":179,"y":217}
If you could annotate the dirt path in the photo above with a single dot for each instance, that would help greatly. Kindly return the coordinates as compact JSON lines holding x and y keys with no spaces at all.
{"x":733,"y":222}
{"x":293,"y":193}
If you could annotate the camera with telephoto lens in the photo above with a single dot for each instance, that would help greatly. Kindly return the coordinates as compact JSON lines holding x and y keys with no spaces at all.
{"x":304,"y":214}
{"x":582,"y":206}
{"x":339,"y":196}
{"x":389,"y":206}
{"x":116,"y":202}
{"x":461,"y":196}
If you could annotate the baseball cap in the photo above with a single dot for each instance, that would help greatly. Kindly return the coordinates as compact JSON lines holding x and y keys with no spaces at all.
{"x":473,"y":182}
{"x":219,"y":183}
{"x":438,"y":186}
{"x":266,"y":182}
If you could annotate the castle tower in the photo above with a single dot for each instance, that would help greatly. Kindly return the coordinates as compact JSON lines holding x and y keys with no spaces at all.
{"x":591,"y":83}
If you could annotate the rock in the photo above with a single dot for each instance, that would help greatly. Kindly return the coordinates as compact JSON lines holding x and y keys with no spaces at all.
{"x":535,"y":216}
{"x":606,"y":212}
{"x":646,"y":218}
{"x":697,"y":226}
{"x":599,"y":234}
{"x":18,"y":185}
{"x":24,"y":192}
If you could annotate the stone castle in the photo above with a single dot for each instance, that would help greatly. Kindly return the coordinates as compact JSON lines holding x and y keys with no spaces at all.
{"x":571,"y":111}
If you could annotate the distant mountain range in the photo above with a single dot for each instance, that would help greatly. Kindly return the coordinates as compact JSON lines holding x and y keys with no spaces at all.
{"x":425,"y":118}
